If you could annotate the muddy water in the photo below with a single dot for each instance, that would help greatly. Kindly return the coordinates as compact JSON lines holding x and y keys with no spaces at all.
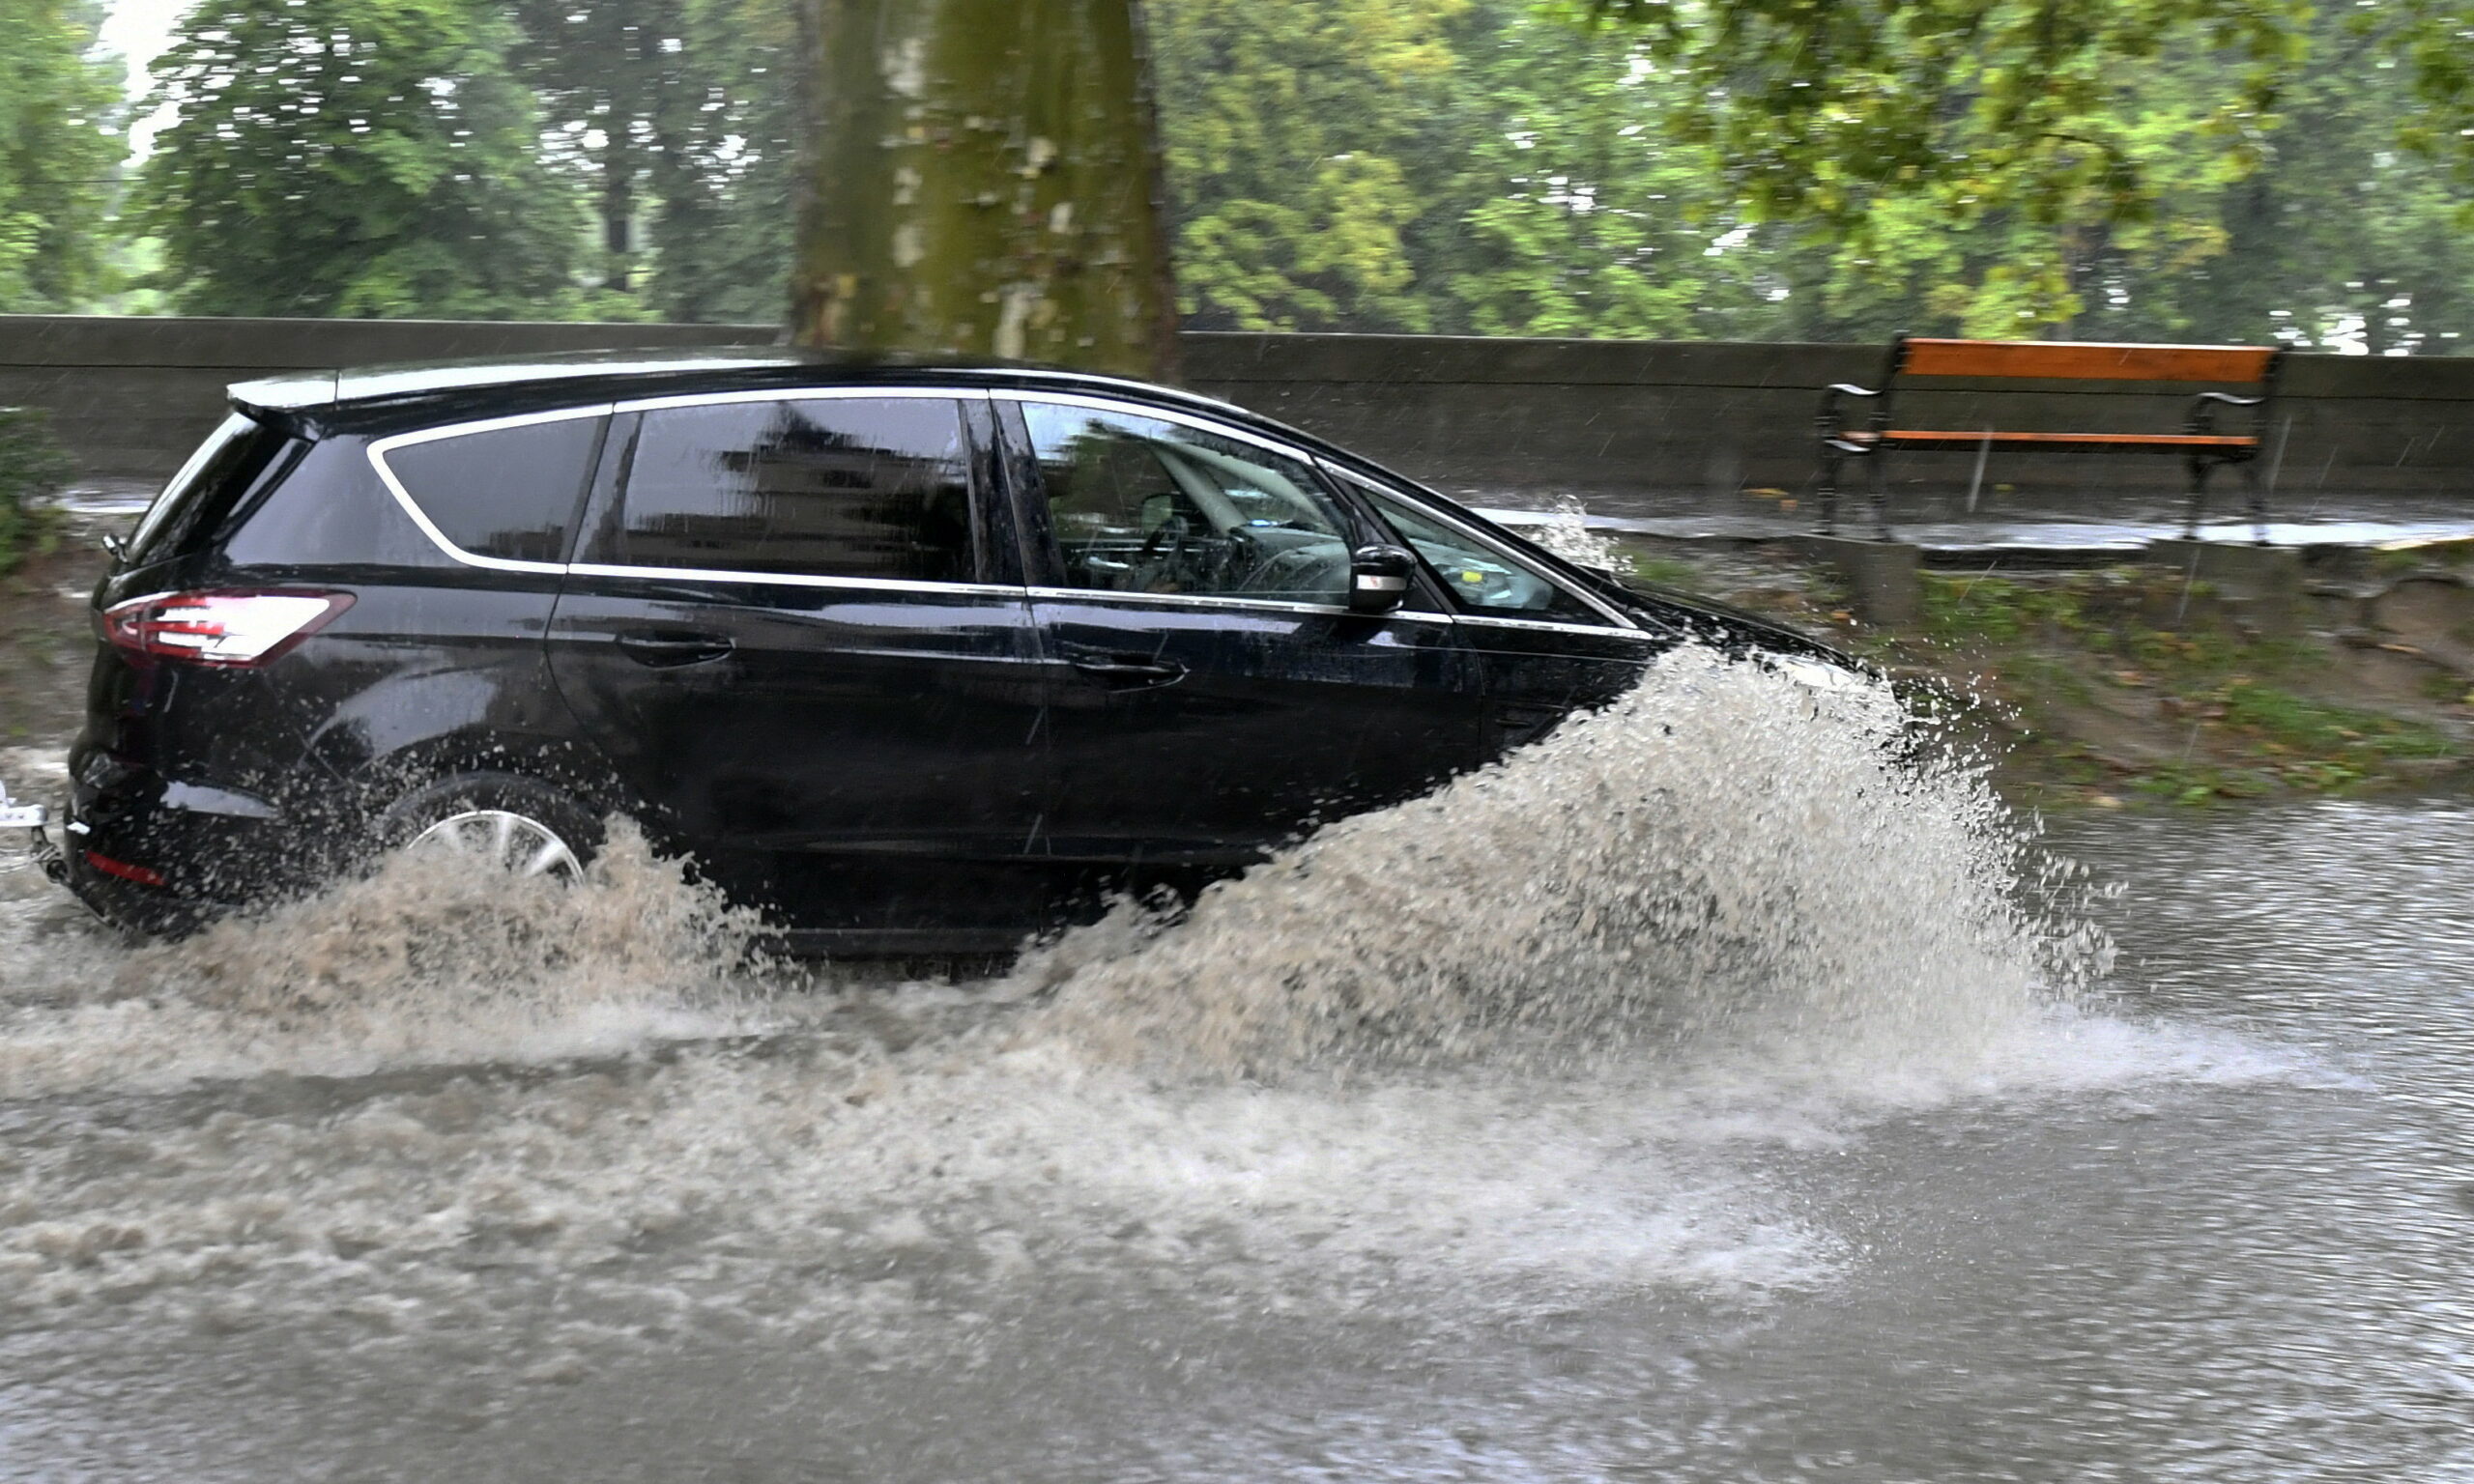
{"x":1700,"y":1095}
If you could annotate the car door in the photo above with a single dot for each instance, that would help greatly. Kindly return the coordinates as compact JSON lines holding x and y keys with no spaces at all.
{"x":1212,"y":695}
{"x":1544,"y":648}
{"x":796,"y":629}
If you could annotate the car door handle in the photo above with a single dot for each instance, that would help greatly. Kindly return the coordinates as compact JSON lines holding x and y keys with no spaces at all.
{"x":1125,"y":669}
{"x":662,"y":648}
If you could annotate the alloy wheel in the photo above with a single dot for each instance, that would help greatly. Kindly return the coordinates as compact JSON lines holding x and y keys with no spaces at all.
{"x":514,"y":843}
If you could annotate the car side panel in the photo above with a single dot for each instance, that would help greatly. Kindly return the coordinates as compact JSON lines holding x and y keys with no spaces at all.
{"x":1275,"y":720}
{"x":1537,"y":673}
{"x":864,"y":757}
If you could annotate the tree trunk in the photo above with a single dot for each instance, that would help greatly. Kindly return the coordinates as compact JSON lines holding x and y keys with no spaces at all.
{"x":983,"y":180}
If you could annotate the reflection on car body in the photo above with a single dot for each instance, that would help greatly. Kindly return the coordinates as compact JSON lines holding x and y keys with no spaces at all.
{"x":916,"y":657}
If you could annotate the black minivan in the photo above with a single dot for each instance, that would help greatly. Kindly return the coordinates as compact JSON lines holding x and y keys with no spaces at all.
{"x":919,"y":658}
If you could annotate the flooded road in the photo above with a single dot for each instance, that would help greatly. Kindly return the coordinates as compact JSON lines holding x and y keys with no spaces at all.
{"x":1697,"y":1096}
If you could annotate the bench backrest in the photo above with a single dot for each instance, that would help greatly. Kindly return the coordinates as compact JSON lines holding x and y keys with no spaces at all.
{"x":2075,"y":360}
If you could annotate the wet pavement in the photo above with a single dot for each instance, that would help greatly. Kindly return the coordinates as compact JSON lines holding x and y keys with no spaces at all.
{"x":2088,"y":525}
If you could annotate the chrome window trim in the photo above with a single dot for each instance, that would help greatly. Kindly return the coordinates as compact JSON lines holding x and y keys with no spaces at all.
{"x":1183,"y":600}
{"x":1215,"y":600}
{"x":1614,"y":615}
{"x":378,"y":448}
{"x":790,"y":580}
{"x":381,"y":447}
{"x":1489,"y":620}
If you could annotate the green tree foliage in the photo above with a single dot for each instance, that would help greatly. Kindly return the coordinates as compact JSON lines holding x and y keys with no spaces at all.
{"x":2432,"y":44}
{"x":1301,"y":136}
{"x":2076,"y":259}
{"x":2335,"y":233}
{"x":678,"y":118}
{"x":2111,"y":169}
{"x":60,"y":147}
{"x":1468,"y":168}
{"x":359,"y":158}
{"x":726,"y":182}
{"x":613,"y":84}
{"x":2026,"y":109}
{"x":2140,"y":169}
{"x":1573,"y":213}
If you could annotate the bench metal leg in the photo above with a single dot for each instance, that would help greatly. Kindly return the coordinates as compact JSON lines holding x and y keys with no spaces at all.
{"x":1881,"y":498}
{"x":2256,"y":495}
{"x":1827,"y":495}
{"x":2200,"y":469}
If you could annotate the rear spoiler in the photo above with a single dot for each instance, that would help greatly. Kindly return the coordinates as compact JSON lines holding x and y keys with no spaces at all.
{"x":297,"y":392}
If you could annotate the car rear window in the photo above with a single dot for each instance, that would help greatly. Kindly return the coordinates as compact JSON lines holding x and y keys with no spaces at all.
{"x":508,"y":492}
{"x":235,"y":459}
{"x":869,"y":487}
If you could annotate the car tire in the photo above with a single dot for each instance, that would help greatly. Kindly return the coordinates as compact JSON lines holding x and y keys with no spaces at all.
{"x":521,"y":824}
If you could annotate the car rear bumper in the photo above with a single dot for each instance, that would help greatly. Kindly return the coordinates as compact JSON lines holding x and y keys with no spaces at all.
{"x":160,"y":856}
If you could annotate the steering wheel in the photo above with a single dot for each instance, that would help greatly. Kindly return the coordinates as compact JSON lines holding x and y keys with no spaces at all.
{"x":1172,"y":534}
{"x":1243,"y":559}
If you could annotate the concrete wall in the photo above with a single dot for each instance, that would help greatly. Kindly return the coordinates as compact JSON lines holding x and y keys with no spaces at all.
{"x":130,"y":396}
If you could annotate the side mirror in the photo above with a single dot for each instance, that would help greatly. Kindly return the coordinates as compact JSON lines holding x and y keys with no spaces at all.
{"x":1379,"y":578}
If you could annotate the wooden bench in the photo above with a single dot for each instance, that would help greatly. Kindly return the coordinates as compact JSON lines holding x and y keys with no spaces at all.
{"x":2198,"y":442}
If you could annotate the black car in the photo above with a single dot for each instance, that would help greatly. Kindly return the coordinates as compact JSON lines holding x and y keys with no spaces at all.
{"x":919,"y":658}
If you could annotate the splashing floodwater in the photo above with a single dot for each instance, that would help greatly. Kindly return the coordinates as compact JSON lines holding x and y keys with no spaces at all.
{"x":426,"y":962}
{"x":1722,"y":857}
{"x":1529,"y":1042}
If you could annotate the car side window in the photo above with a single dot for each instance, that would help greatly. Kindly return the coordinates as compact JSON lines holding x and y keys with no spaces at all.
{"x":866,"y":487}
{"x":1142,"y":504}
{"x":1481,"y":577}
{"x":503,"y":492}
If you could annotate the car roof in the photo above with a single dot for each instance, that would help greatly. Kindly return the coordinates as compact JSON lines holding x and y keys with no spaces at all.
{"x":351,"y":398}
{"x":417,"y":394}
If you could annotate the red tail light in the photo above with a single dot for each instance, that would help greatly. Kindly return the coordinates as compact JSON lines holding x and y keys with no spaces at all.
{"x":143,"y":875}
{"x":230,"y":630}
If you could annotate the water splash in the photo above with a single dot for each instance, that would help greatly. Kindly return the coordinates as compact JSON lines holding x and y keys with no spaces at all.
{"x":1566,"y":532}
{"x":423,"y":962}
{"x":1725,"y":857}
{"x":1512,"y":1034}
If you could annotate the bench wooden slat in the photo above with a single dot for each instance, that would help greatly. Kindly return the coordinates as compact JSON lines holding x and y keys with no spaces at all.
{"x":1960,"y":438}
{"x":2074,"y":360}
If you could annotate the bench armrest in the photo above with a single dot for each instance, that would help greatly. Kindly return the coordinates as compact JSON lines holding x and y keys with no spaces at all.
{"x":1831,"y":422}
{"x":2202,"y":418}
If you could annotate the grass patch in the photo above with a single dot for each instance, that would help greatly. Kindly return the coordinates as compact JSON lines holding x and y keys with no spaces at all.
{"x":1968,"y":611}
{"x":2298,"y":723}
{"x":1660,"y":571}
